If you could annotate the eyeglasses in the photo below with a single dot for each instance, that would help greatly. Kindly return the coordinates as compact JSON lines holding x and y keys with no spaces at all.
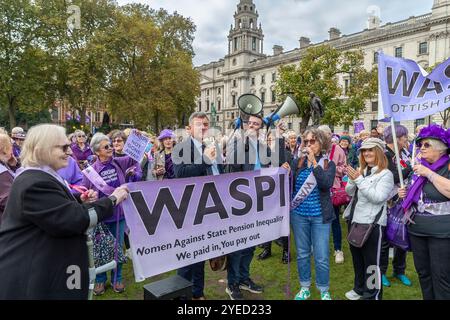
{"x":107,"y":147}
{"x":311,"y":142}
{"x":64,"y":148}
{"x":426,"y":145}
{"x":81,"y":136}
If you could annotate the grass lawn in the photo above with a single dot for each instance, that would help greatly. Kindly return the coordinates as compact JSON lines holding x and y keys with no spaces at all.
{"x":273,"y":275}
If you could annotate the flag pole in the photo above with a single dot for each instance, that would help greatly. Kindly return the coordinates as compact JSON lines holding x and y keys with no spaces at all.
{"x":397,"y":153}
{"x":413,"y":161}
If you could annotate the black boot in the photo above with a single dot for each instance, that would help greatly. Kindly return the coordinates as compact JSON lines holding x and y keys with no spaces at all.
{"x":285,"y":257}
{"x":265,"y":254}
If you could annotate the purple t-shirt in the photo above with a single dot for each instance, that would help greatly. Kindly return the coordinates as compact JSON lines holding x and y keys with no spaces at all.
{"x":81,"y":155}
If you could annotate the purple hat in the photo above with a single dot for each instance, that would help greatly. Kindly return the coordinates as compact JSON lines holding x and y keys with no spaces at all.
{"x":434,"y":131}
{"x":166,"y":133}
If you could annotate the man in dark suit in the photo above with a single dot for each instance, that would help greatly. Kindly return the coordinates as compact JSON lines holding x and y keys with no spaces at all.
{"x":252,"y":155}
{"x":192,"y":158}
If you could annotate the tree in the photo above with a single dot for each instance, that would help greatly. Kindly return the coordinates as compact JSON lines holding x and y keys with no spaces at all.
{"x":318,"y":72}
{"x":23,"y":63}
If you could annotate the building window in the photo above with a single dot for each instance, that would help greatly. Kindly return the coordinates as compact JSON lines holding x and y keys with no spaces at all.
{"x":234,"y":84}
{"x":274,"y":77}
{"x":234,"y":61}
{"x":375,"y":57}
{"x":97,"y":117}
{"x":263,"y":79}
{"x":234,"y":101}
{"x":254,"y":43}
{"x":423,"y":48}
{"x":253,"y":81}
{"x":346,"y":128}
{"x":218,"y":119}
{"x":199,"y":106}
{"x":374,"y":106}
{"x":219,"y":103}
{"x":418,"y":122}
{"x":399,"y":52}
{"x":218,"y":71}
{"x":232,"y":115}
{"x":290,"y":125}
{"x":346,"y":85}
{"x":263,"y":97}
{"x":235,"y":44}
{"x":207,"y":92}
{"x":274,"y":97}
{"x":218,"y":90}
{"x":207,"y":105}
{"x":373,"y":123}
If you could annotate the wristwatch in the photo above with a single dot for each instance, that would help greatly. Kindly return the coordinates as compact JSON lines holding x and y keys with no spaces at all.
{"x":113,"y":200}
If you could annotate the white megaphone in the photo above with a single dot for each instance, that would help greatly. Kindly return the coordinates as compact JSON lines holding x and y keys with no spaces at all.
{"x":289,"y":107}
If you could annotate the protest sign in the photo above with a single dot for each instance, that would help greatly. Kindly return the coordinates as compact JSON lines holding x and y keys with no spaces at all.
{"x":136,"y":145}
{"x":175,"y":223}
{"x":407,"y":92}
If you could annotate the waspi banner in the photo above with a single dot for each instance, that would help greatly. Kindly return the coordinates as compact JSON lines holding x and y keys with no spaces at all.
{"x":407,"y":92}
{"x":175,"y":223}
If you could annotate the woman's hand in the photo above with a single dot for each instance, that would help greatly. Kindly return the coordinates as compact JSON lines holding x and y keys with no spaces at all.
{"x":121,"y":193}
{"x":311,"y":156}
{"x":402,"y":193}
{"x":130,"y":172}
{"x":89,"y":196}
{"x":352,"y":173}
{"x":159,"y":172}
{"x":421,"y":170}
{"x":286,"y":166}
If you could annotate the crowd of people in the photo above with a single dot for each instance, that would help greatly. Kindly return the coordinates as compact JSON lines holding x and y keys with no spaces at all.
{"x":55,"y":187}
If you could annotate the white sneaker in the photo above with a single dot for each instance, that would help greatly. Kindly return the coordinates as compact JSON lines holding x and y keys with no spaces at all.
{"x":339,"y":257}
{"x":352,"y":295}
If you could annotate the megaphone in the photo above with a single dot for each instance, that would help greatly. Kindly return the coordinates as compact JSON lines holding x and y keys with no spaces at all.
{"x":289,"y":107}
{"x":250,"y":104}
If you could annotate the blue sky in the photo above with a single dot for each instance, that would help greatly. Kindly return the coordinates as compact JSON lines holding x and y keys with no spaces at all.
{"x":283,"y":21}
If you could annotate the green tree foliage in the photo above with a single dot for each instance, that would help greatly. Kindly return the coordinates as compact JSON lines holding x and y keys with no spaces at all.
{"x":318,"y":72}
{"x":133,"y":59}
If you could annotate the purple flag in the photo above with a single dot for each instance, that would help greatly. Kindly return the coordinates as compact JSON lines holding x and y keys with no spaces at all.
{"x":407,"y":92}
{"x":68,"y":117}
{"x":175,"y":223}
{"x":358,"y":126}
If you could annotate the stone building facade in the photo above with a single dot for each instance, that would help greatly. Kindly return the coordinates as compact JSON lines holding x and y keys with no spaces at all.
{"x":246,"y":69}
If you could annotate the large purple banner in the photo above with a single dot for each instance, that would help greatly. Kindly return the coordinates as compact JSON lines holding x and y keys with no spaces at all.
{"x":407,"y":92}
{"x":175,"y":223}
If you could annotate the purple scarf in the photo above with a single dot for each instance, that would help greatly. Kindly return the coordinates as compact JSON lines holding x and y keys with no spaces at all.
{"x":419,"y":181}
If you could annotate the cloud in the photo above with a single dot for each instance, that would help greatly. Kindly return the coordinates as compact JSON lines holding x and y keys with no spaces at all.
{"x":283,"y":21}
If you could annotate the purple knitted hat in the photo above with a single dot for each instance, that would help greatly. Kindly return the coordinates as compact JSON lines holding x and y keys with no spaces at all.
{"x":166,"y":133}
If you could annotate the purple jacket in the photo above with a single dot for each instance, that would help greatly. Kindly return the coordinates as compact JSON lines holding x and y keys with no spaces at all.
{"x":71,"y":173}
{"x":121,"y":165}
{"x":81,"y":155}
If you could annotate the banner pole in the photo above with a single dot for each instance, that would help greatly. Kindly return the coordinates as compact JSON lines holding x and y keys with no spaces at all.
{"x":397,"y":153}
{"x":413,"y":160}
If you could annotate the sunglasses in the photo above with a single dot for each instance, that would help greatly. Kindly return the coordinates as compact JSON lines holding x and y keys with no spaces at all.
{"x":81,"y":136}
{"x":426,"y":145}
{"x":107,"y":147}
{"x":64,"y":147}
{"x":311,"y":142}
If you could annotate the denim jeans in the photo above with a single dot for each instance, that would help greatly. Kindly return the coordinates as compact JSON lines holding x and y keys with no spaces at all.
{"x":102,"y":277}
{"x":196,"y":274}
{"x":311,"y":231}
{"x":238,"y":266}
{"x":336,"y":229}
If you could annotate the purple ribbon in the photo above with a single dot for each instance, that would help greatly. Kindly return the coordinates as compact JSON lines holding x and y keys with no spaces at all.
{"x":419,"y":181}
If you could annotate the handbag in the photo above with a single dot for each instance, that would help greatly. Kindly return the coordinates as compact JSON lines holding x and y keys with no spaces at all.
{"x":396,"y":230}
{"x":338,"y":195}
{"x":105,"y":246}
{"x":360,"y":232}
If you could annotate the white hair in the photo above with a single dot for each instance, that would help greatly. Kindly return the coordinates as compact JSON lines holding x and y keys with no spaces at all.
{"x":37,"y":148}
{"x":325,"y":129}
{"x":436,"y":145}
{"x":96,"y":140}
